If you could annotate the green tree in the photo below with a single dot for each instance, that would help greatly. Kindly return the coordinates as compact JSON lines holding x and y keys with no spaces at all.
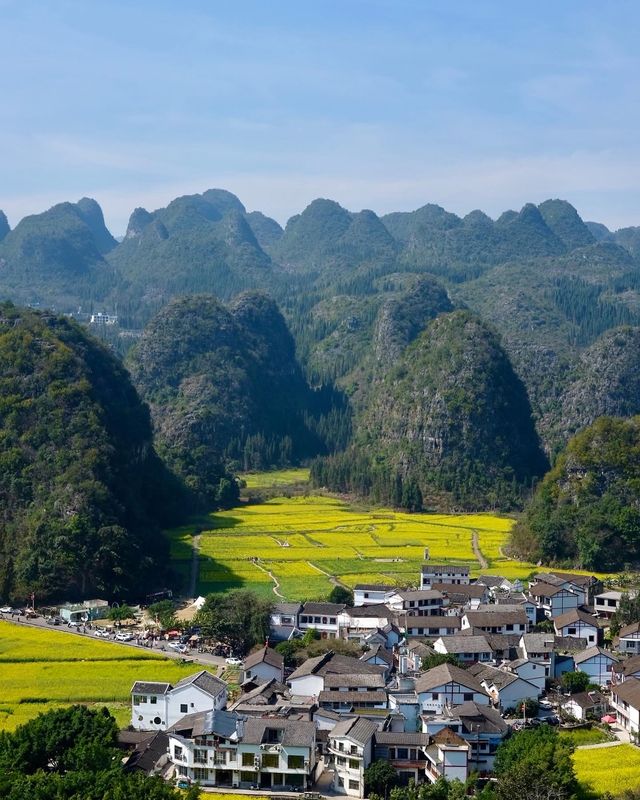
{"x":239,"y":619}
{"x":379,"y":778}
{"x":435,"y":659}
{"x":628,"y":611}
{"x":165,"y":612}
{"x":340,"y":594}
{"x":121,"y":612}
{"x":575,"y":682}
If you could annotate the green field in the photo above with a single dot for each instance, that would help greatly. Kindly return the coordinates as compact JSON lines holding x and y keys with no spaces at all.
{"x":276,"y":477}
{"x":302,"y":543}
{"x":608,"y":769}
{"x":45,"y":669}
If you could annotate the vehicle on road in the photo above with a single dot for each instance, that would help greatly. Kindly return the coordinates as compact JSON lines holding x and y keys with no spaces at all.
{"x":124,"y":637}
{"x":6,"y":610}
{"x":179,"y":648}
{"x":233,"y":661}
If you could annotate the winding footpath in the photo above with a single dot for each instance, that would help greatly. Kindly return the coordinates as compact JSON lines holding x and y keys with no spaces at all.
{"x":484,"y":564}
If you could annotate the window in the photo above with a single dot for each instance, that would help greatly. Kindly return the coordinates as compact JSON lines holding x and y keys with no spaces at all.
{"x":354,"y":785}
{"x":157,"y":721}
{"x":341,"y":760}
{"x":468,"y":696}
{"x":184,"y":708}
{"x":220,"y":758}
{"x":403,"y":753}
{"x":354,"y":763}
{"x":177,"y":753}
{"x":200,"y":756}
{"x":571,"y":631}
{"x":200,"y":774}
{"x":354,"y":750}
{"x":153,"y":700}
{"x":270,"y":760}
{"x":247,"y":777}
{"x":247,"y":759}
{"x":295,"y":762}
{"x":435,"y":695}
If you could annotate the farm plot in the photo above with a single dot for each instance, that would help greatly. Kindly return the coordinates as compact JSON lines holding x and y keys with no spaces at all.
{"x":44,"y":669}
{"x":298,"y":539}
{"x":608,"y":769}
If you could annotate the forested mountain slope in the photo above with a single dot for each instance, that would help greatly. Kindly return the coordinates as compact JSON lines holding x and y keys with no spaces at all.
{"x":586,"y":510}
{"x":81,"y":489}
{"x":450,"y":418}
{"x":225,"y":389}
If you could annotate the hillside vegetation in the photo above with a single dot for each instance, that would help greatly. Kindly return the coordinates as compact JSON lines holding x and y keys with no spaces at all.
{"x":586,"y":511}
{"x":82,"y":491}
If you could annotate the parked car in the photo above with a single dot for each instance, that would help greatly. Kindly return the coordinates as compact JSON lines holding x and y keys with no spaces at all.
{"x":233,"y":661}
{"x":179,"y":648}
{"x":124,"y":637}
{"x":6,"y":610}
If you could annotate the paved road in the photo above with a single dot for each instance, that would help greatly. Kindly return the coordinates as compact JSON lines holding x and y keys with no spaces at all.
{"x":197,"y":658}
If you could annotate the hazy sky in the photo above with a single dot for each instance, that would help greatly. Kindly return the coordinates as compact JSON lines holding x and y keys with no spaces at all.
{"x":382,"y":104}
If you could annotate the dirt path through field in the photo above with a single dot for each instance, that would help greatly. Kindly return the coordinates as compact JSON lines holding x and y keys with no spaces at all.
{"x":332,"y":578}
{"x":484,"y":564}
{"x":195,"y":565}
{"x":276,"y":585}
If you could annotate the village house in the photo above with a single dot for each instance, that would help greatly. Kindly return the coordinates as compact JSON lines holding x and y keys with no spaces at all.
{"x":625,"y":700}
{"x":368,"y":594}
{"x":405,"y":752}
{"x":350,"y":752}
{"x":357,"y":623}
{"x":322,"y":617}
{"x":597,"y":663}
{"x":577,"y":624}
{"x":606,"y":604}
{"x":586,"y":705}
{"x":431,"y":627}
{"x":629,"y":668}
{"x":628,"y":640}
{"x":529,"y":671}
{"x":311,"y":677}
{"x":272,"y":697}
{"x":378,"y":656}
{"x":522,"y":601}
{"x":263,"y":665}
{"x":157,"y":706}
{"x":225,"y":750}
{"x":463,"y":596}
{"x":447,"y":757}
{"x":553,"y":600}
{"x":496,"y":619}
{"x":448,"y":685}
{"x":467,"y":648}
{"x":480,"y":726}
{"x":283,"y":622}
{"x":344,"y":693}
{"x":505,"y":688}
{"x":419,"y":602}
{"x":431,"y":574}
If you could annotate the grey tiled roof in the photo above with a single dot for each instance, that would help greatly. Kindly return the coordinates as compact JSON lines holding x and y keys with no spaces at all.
{"x":264,"y":656}
{"x":294,"y":732}
{"x":150,"y":687}
{"x":446,"y":673}
{"x":203,"y":680}
{"x":359,"y":729}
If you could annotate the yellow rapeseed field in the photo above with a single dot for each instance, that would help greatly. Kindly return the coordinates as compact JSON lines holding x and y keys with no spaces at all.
{"x":303,"y":541}
{"x":43,"y":669}
{"x":608,"y":769}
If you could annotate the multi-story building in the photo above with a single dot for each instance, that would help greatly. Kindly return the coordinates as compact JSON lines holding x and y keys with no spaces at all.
{"x":443,"y":573}
{"x":226,"y":750}
{"x":350,"y":752}
{"x":156,"y":706}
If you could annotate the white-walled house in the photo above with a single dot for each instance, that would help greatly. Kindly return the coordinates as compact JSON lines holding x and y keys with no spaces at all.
{"x":418,"y":601}
{"x":530,"y":671}
{"x":586,"y":705}
{"x":263,"y":665}
{"x":448,"y":685}
{"x":506,"y":689}
{"x":431,"y":626}
{"x":553,"y":600}
{"x":341,"y":671}
{"x":322,"y":617}
{"x":629,"y":639}
{"x":597,"y":663}
{"x":156,"y":706}
{"x":368,"y":594}
{"x":577,"y":624}
{"x":496,"y":619}
{"x":226,"y":750}
{"x":447,"y":757}
{"x":628,"y":668}
{"x":606,"y":604}
{"x":466,"y":647}
{"x":443,"y":573}
{"x":350,"y":751}
{"x":625,"y":700}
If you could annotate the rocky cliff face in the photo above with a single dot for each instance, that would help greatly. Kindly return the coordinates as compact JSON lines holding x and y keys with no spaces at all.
{"x":605,"y":383}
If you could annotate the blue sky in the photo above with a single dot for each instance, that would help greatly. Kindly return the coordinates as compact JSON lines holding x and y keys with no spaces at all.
{"x":382,"y":104}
